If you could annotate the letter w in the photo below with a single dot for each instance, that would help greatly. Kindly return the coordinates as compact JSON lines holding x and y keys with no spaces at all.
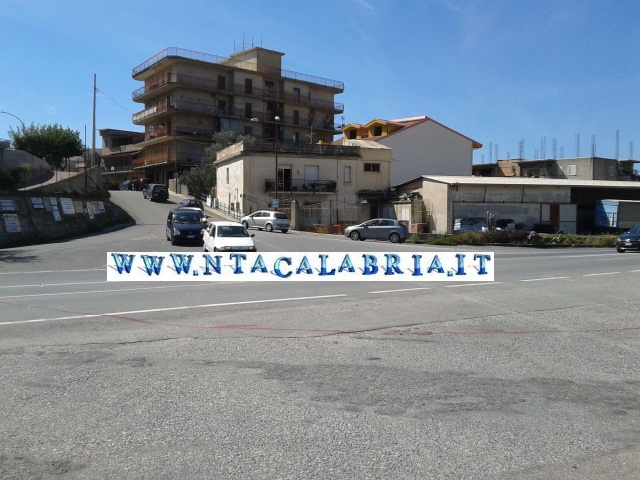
{"x":123,"y":262}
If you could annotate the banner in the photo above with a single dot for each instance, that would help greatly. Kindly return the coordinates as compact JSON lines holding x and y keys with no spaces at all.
{"x":300,"y":266}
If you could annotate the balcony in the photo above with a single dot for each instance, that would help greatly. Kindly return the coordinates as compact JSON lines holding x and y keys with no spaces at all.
{"x":177,"y":105}
{"x":299,"y":185}
{"x":167,"y":158}
{"x":178,"y":131}
{"x":173,"y":52}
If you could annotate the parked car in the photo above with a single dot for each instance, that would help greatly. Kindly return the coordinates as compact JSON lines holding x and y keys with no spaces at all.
{"x":107,"y":185}
{"x":126,"y":185}
{"x":185,"y":226}
{"x":629,"y":240}
{"x":379,"y":229}
{"x":470,"y":224}
{"x":156,"y":192}
{"x":267,"y":220}
{"x":544,"y":228}
{"x":191,"y":203}
{"x":227,"y":237}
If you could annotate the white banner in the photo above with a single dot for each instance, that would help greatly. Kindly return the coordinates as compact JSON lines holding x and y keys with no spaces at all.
{"x":300,"y":267}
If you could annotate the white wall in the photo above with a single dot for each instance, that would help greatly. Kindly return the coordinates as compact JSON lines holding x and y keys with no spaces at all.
{"x":428,"y":149}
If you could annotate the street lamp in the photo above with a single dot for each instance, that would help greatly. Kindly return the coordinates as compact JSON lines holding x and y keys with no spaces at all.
{"x":7,"y":113}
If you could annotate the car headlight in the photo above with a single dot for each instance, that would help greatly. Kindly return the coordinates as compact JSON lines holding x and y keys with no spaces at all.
{"x":176,"y":231}
{"x":618,"y":239}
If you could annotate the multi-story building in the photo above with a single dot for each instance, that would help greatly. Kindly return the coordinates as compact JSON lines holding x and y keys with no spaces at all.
{"x":189,"y":96}
{"x":421,"y":146}
{"x":120,"y":148}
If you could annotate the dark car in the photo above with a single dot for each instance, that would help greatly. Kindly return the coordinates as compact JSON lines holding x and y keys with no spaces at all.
{"x":156,"y":192}
{"x":185,"y":226}
{"x":545,"y":228}
{"x":379,"y":229}
{"x":191,"y":203}
{"x":629,"y":240}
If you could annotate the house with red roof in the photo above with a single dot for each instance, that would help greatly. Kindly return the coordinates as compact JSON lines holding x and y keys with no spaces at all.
{"x":421,"y":146}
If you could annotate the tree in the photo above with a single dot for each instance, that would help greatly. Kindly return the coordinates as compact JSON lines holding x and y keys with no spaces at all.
{"x":52,"y":143}
{"x":202,"y":178}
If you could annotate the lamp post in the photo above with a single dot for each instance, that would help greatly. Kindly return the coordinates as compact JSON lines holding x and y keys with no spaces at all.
{"x":7,"y":113}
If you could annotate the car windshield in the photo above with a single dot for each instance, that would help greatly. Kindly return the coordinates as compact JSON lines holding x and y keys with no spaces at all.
{"x":187,"y":218}
{"x":635,"y":229}
{"x":232,"y":231}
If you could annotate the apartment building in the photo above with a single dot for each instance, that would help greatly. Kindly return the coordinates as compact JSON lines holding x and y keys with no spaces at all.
{"x":188,"y":96}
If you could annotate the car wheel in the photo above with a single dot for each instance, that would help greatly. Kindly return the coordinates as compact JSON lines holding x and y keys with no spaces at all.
{"x":402,"y":240}
{"x":245,"y":225}
{"x":284,"y":230}
{"x":268,"y":227}
{"x":173,"y":240}
{"x":215,"y":249}
{"x":204,"y":247}
{"x":394,"y":238}
{"x":620,"y":250}
{"x":354,"y":236}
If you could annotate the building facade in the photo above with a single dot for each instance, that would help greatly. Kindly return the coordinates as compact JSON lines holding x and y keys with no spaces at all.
{"x":579,"y":168}
{"x":421,"y":146}
{"x":120,"y":148}
{"x":336,"y":178}
{"x":188,"y":96}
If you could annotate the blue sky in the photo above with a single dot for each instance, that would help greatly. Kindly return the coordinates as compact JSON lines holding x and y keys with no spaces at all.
{"x":501,"y":72}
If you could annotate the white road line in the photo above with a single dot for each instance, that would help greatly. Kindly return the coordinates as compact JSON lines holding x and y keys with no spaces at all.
{"x":598,"y":274}
{"x":401,"y":290}
{"x":543,"y":279}
{"x":54,"y":271}
{"x":50,"y":284}
{"x":473,"y":284}
{"x":593,"y":255}
{"x":186,"y":307}
{"x":82,"y":292}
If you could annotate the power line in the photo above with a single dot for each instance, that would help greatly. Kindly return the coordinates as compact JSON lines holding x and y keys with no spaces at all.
{"x":125,"y":108}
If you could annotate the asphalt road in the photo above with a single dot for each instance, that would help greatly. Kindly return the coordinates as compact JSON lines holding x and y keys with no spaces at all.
{"x":532,"y":376}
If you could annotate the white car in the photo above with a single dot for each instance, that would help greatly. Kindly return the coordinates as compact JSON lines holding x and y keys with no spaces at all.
{"x":227,"y":237}
{"x":267,"y":220}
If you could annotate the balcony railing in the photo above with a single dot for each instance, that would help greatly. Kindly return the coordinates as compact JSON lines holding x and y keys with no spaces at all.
{"x":167,"y":158}
{"x":179,"y":131}
{"x":178,"y":105}
{"x":206,"y":57}
{"x":299,"y":185}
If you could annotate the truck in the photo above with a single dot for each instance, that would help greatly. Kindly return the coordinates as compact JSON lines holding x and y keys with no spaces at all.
{"x":616,"y":215}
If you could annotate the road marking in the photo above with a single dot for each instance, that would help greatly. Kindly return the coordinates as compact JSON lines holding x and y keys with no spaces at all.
{"x":598,"y":274}
{"x":473,"y":284}
{"x":401,"y":290}
{"x":54,"y":271}
{"x":543,"y":279}
{"x":82,"y":292}
{"x":593,"y":255}
{"x":187,"y":307}
{"x":50,"y":284}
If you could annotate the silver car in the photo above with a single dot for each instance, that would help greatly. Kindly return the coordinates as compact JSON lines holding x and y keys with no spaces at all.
{"x":268,"y":220}
{"x":379,"y":229}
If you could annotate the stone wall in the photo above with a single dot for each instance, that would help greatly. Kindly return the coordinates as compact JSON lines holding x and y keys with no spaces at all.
{"x":40,"y":216}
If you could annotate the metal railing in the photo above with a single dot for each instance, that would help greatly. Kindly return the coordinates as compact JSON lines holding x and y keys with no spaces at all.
{"x":206,"y":57}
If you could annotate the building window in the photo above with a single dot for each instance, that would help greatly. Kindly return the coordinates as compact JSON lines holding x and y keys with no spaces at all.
{"x":296,"y":95}
{"x":248,"y":130}
{"x":352,"y":134}
{"x":372,"y":167}
{"x":221,"y":82}
{"x":377,"y":131}
{"x":248,"y":86}
{"x":571,"y":170}
{"x":222,"y":106}
{"x":347,"y":174}
{"x":296,"y":117}
{"x":613,"y":171}
{"x":227,"y":172}
{"x":248,"y":110}
{"x":296,"y":137}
